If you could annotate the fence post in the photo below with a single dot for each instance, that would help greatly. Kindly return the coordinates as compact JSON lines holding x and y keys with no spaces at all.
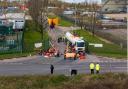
{"x":110,"y":66}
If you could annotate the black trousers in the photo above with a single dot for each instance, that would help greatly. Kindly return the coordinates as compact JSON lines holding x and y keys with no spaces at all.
{"x":73,"y":72}
{"x":52,"y":71}
{"x":92,"y":71}
{"x":97,"y":71}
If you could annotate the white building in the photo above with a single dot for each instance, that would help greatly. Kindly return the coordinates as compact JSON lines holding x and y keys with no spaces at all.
{"x":18,"y":19}
{"x":114,"y":5}
{"x":68,"y":12}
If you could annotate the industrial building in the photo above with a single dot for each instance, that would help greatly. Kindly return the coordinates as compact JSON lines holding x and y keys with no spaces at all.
{"x":114,"y":5}
{"x":18,"y":20}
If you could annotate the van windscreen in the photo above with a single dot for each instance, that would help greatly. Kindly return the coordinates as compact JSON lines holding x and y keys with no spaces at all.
{"x":80,"y":44}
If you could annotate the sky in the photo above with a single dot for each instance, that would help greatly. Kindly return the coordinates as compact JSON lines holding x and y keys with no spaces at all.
{"x":77,"y":1}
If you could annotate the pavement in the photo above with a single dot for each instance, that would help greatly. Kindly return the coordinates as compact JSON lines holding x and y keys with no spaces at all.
{"x":40,"y":65}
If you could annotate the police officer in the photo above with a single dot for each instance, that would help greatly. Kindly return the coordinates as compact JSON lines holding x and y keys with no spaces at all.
{"x":52,"y":69}
{"x":92,"y":66}
{"x":97,"y":68}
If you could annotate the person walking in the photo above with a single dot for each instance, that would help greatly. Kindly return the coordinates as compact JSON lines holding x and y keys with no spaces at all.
{"x":92,"y":66}
{"x":52,"y":69}
{"x":97,"y":68}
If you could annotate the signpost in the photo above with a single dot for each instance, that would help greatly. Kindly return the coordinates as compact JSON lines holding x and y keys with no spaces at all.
{"x":96,"y":45}
{"x":38,"y":45}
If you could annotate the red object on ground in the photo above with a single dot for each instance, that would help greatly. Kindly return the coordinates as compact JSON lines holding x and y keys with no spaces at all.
{"x":82,"y":56}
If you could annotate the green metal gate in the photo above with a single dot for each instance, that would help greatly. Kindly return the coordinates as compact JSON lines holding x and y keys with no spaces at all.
{"x":10,"y":41}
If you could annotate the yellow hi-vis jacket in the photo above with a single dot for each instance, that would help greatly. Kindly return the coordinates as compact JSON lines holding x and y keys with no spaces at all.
{"x":97,"y":67}
{"x":92,"y":66}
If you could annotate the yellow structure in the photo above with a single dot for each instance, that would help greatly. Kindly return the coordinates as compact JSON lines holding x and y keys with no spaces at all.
{"x":49,"y":21}
{"x":55,"y":21}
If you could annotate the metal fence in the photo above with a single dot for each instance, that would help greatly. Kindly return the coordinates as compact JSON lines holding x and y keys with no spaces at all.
{"x":11,"y":43}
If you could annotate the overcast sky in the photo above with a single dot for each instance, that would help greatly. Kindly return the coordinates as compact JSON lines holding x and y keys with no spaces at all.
{"x":77,"y":1}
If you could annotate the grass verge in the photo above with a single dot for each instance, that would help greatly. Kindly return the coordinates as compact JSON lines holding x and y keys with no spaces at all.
{"x":15,"y":55}
{"x":33,"y":35}
{"x":108,"y":49}
{"x":105,"y":81}
{"x":65,"y":23}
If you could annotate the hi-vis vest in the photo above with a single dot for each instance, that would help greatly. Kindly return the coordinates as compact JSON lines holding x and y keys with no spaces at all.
{"x":92,"y":66}
{"x":97,"y":67}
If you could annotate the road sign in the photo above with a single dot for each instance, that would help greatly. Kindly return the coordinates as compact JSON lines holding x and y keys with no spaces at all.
{"x":96,"y":45}
{"x":38,"y":45}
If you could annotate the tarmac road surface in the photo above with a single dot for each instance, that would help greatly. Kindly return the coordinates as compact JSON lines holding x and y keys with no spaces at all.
{"x":41,"y":66}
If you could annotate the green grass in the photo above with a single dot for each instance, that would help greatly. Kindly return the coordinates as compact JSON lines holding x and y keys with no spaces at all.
{"x":108,"y":49}
{"x":65,"y":23}
{"x":52,"y":16}
{"x":105,"y":81}
{"x":32,"y":36}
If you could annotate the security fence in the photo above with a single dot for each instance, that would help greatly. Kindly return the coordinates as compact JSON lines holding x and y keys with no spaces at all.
{"x":11,"y":43}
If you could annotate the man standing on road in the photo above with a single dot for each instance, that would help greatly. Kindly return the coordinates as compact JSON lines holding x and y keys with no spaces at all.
{"x":92,"y":66}
{"x":97,"y":68}
{"x":52,"y":69}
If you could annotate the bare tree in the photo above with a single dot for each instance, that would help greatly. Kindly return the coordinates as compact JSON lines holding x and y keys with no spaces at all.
{"x":38,"y":11}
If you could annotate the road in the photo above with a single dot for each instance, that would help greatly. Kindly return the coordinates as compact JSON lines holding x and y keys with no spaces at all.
{"x":39,"y":65}
{"x":32,"y":65}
